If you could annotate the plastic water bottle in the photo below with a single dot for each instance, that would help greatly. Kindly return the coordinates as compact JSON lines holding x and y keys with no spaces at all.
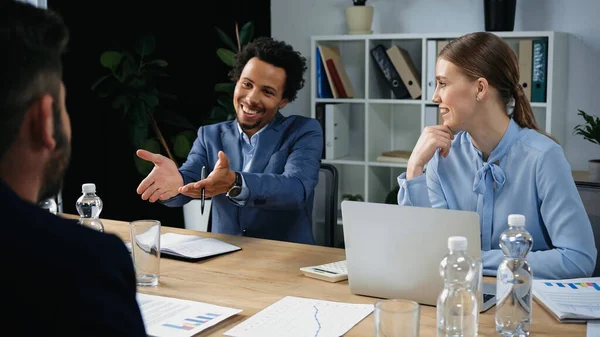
{"x":457,"y":306}
{"x":89,"y":206}
{"x":514,"y":280}
{"x":49,"y":205}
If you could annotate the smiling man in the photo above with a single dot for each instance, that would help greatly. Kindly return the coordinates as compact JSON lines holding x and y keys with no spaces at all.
{"x":264,"y":166}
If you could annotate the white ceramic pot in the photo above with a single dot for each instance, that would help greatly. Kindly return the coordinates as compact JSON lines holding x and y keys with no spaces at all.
{"x":359,"y":19}
{"x":594,"y":170}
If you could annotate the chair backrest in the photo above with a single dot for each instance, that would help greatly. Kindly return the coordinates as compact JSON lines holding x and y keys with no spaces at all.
{"x":590,"y":195}
{"x":325,"y":208}
{"x":193,"y":217}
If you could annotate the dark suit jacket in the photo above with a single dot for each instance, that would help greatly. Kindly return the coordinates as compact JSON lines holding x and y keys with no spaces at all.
{"x":62,"y":279}
{"x":281,"y":179}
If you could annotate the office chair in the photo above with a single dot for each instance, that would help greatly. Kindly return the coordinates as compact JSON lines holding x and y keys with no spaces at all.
{"x":590,"y":195}
{"x":193,"y":217}
{"x":325,"y":208}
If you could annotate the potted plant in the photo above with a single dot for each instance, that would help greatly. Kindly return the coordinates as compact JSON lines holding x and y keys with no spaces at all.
{"x":591,"y":132}
{"x":352,"y":197}
{"x":132,"y":83}
{"x":359,"y":17}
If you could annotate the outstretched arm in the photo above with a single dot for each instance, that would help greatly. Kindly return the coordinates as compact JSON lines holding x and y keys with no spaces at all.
{"x":288,"y":190}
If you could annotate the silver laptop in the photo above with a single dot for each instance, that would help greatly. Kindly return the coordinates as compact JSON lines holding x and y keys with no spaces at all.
{"x":395,"y":251}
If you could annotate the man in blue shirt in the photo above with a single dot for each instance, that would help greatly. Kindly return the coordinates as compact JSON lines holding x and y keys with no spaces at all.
{"x":264,"y":166}
{"x":495,"y":163}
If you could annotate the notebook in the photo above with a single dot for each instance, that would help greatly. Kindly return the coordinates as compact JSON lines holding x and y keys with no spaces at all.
{"x":569,"y":300}
{"x":191,"y":247}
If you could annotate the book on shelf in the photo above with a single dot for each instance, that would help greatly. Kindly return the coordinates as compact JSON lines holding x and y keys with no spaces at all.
{"x":525,"y":57}
{"x":569,"y":300}
{"x":340,"y":84}
{"x":323,"y":87}
{"x":186,"y":247}
{"x":396,"y":156}
{"x":407,"y":70}
{"x":539,"y":70}
{"x":387,"y":69}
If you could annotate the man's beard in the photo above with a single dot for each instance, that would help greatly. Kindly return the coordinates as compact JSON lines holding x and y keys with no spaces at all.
{"x":246,"y":126}
{"x":55,"y":168}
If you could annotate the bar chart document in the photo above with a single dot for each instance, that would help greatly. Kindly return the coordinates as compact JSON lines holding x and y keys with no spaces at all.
{"x":301,"y":317}
{"x":571,"y":300}
{"x":172,"y":317}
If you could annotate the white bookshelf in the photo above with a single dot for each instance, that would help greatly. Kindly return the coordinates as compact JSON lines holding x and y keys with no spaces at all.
{"x":380,"y":123}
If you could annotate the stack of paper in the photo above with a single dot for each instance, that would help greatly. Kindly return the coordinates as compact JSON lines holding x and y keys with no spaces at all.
{"x":301,"y":317}
{"x":172,"y":317}
{"x":571,"y":300}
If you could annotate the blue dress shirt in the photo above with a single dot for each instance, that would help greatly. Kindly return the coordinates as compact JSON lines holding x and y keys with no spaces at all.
{"x":248,"y":146}
{"x":527,"y":173}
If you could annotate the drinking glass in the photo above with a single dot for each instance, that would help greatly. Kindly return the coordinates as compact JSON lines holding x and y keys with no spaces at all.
{"x":145,"y":247}
{"x":396,"y":318}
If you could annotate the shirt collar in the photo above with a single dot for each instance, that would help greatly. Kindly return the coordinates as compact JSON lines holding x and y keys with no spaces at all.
{"x":500,"y":150}
{"x":254,"y":138}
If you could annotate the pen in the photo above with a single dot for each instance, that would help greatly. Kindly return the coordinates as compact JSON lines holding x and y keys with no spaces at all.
{"x":203,"y":176}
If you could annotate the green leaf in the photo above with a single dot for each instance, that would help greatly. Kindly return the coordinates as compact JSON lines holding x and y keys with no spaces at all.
{"x":226,"y":102}
{"x":120,"y":101}
{"x":139,"y":133}
{"x":181,"y":146}
{"x":137,"y":83}
{"x":106,"y":86}
{"x":219,"y":113}
{"x":149,"y":99}
{"x":145,"y":45}
{"x":165,"y":95}
{"x":591,"y":130}
{"x":226,"y":39}
{"x":227,"y":56}
{"x":145,"y":167}
{"x":227,"y":88}
{"x":111,"y":59}
{"x":173,"y":118}
{"x":246,"y":33}
{"x":128,"y":69}
{"x":160,"y":63}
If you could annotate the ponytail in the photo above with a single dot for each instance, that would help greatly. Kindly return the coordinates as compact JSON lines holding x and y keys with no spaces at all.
{"x":522,"y":113}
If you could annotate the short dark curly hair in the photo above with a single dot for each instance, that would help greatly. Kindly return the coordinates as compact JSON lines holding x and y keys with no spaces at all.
{"x":279,"y":54}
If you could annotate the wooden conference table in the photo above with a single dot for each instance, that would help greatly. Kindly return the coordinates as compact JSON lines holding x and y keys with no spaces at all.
{"x":265,"y":271}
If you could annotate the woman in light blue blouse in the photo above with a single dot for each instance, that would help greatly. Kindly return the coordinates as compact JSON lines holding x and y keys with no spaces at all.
{"x":494,"y":161}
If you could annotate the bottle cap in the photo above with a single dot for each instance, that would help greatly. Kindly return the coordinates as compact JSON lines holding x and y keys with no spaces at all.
{"x":516,"y":220}
{"x":88,"y":188}
{"x":457,"y":243}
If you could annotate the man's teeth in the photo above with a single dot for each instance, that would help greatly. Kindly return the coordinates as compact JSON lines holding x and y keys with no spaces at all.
{"x":248,"y":111}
